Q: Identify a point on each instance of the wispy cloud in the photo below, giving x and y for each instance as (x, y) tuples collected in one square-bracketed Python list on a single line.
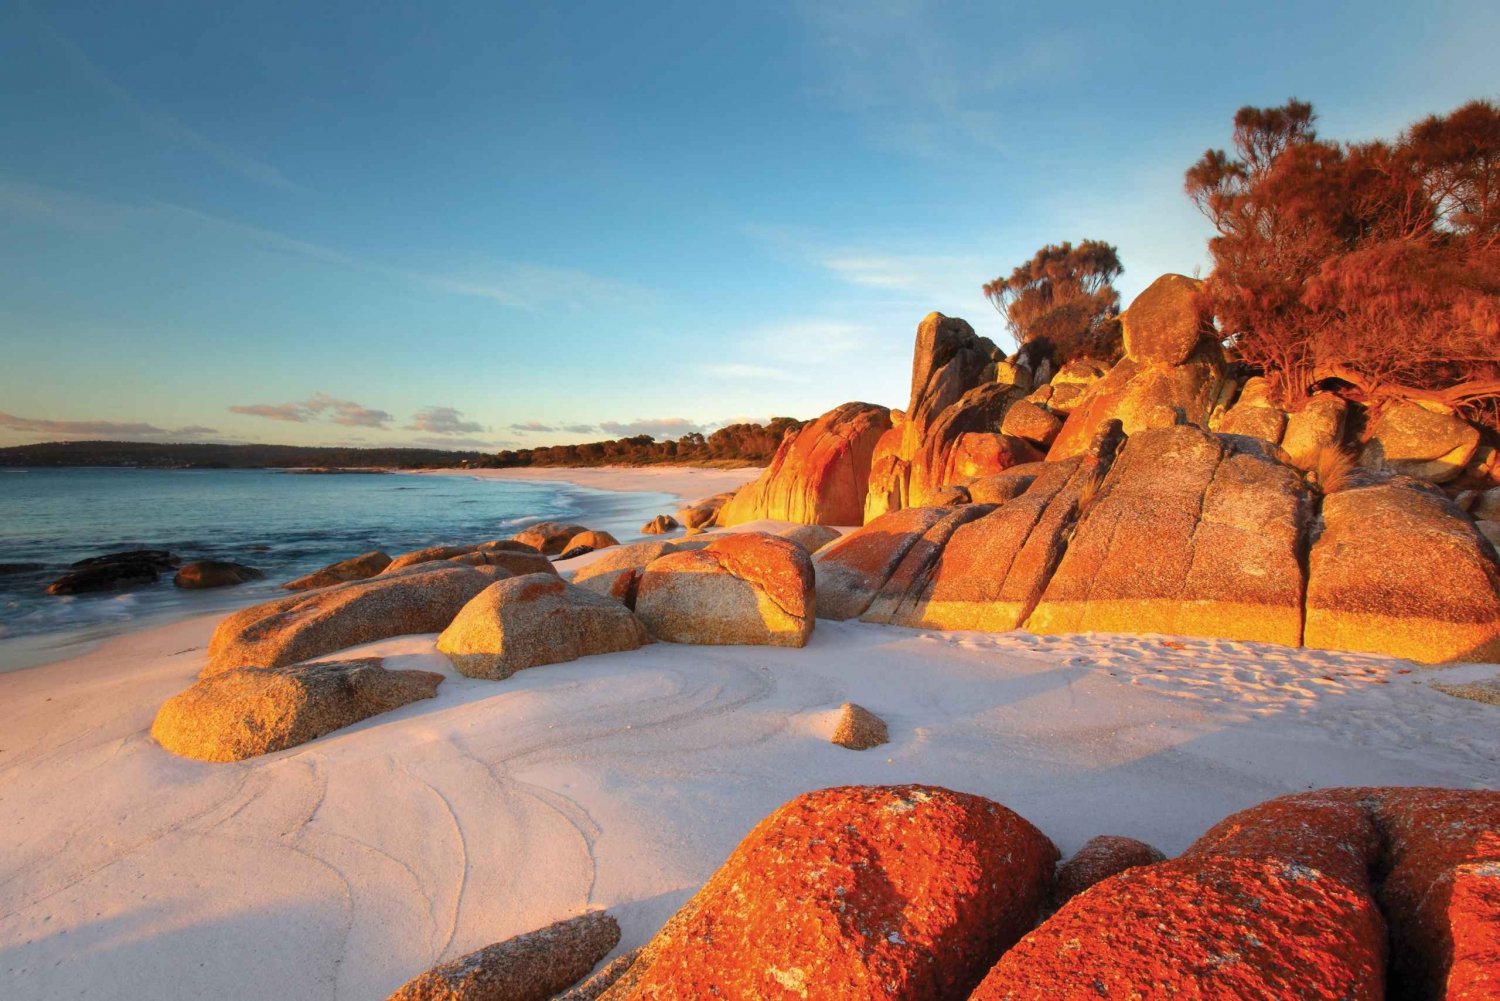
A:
[(444, 421), (345, 413), (539, 427), (100, 429), (163, 125), (741, 370), (527, 287)]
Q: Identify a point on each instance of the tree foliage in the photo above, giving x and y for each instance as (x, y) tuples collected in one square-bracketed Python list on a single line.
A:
[(749, 443), (1377, 264), (1064, 301)]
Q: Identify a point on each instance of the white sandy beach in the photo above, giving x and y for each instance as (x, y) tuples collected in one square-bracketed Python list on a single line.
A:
[(339, 869)]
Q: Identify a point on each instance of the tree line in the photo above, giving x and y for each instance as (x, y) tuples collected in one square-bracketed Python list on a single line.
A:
[(744, 444)]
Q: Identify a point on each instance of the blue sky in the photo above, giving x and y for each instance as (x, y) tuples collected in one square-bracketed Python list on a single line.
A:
[(498, 225)]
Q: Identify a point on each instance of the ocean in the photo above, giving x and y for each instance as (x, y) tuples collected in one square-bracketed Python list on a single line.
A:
[(281, 523)]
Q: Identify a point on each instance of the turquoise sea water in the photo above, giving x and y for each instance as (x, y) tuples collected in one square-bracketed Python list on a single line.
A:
[(283, 524)]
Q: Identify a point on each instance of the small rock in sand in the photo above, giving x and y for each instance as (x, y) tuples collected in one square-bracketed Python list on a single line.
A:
[(530, 967), (1100, 858), (1487, 692), (859, 729), (660, 525)]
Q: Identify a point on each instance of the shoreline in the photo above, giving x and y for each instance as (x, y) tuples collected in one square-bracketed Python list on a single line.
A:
[(686, 483)]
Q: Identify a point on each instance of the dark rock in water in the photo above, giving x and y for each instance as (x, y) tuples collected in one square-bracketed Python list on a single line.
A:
[(214, 573), (160, 559), (7, 569), (114, 571)]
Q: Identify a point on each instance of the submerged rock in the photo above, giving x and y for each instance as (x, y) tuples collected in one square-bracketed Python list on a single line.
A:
[(114, 571), (246, 712), (214, 573), (530, 967), (533, 620), (660, 525)]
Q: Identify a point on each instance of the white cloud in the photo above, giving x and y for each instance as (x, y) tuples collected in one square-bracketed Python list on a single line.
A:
[(115, 430), (444, 421), (345, 413)]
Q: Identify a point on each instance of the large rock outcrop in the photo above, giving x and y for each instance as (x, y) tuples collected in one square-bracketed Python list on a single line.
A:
[(989, 571), (251, 711), (898, 893), (533, 620), (1398, 569), (1192, 533), (852, 570), (820, 473), (530, 967), (420, 599), (1172, 371), (740, 588), (949, 361)]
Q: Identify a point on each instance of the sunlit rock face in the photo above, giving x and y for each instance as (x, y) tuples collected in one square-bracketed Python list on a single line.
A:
[(891, 892), (533, 620), (948, 362), (820, 473), (1173, 370), (419, 599), (1193, 534), (247, 712), (1420, 439), (1398, 569), (741, 588)]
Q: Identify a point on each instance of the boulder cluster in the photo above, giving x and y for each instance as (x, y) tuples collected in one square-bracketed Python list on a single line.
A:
[(498, 607), (919, 893), (1163, 494)]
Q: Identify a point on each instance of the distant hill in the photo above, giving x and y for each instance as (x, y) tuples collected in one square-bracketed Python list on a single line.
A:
[(208, 456)]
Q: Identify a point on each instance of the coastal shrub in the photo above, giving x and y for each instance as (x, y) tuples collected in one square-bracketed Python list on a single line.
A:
[(1063, 302), (1371, 267)]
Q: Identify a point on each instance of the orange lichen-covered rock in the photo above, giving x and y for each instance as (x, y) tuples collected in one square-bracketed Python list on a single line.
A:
[(895, 602), (355, 568), (1441, 891), (853, 569), (819, 475), (1100, 858), (743, 587), (1217, 928), (1273, 902), (1398, 569), (899, 893)]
